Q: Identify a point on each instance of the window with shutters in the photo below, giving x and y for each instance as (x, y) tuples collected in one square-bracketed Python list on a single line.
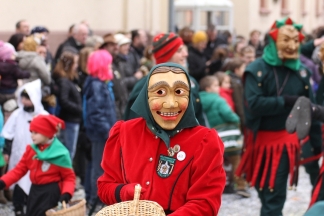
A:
[(284, 8), (264, 10)]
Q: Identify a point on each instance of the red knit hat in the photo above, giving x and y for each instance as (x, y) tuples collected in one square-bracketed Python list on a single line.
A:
[(46, 125), (164, 46)]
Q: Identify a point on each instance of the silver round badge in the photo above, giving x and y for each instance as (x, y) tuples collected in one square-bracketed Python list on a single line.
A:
[(181, 156), (45, 166)]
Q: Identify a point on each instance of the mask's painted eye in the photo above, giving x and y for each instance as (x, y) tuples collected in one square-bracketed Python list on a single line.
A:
[(179, 91), (160, 92)]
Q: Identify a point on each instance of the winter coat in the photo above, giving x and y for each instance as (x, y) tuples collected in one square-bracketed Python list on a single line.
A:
[(191, 186), (10, 72), (69, 99), (237, 86), (227, 94), (69, 42), (197, 64), (39, 175), (17, 128), (120, 90), (313, 68), (126, 72), (134, 57), (36, 65), (99, 109), (215, 66), (258, 49), (212, 45), (217, 110)]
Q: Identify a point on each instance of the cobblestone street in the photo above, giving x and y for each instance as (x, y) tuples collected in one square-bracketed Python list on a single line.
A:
[(232, 205), (296, 204)]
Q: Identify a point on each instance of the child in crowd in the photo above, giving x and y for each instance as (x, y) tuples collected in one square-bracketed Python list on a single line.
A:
[(9, 72), (226, 122), (215, 107), (236, 68), (248, 54), (16, 128), (225, 90), (49, 164)]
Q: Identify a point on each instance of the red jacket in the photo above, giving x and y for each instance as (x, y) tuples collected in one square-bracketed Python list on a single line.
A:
[(41, 174), (196, 183), (227, 94)]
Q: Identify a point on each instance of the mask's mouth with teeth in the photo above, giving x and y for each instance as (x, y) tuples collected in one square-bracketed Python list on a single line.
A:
[(169, 115)]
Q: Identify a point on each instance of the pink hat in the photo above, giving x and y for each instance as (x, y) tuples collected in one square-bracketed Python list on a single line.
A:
[(6, 50), (99, 65)]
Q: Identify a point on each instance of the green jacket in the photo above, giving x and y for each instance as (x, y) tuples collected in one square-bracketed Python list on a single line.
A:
[(217, 110), (263, 108)]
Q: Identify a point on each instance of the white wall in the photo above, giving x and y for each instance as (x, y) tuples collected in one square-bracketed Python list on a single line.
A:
[(102, 15)]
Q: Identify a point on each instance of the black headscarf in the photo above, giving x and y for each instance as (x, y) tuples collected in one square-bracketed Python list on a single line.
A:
[(141, 107)]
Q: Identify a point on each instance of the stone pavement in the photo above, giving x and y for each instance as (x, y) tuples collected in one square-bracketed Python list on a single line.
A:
[(232, 205), (296, 203)]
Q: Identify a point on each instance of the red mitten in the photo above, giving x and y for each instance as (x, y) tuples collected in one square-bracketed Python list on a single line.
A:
[(127, 192)]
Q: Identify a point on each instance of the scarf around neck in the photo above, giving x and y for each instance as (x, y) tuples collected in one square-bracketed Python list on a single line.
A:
[(56, 153)]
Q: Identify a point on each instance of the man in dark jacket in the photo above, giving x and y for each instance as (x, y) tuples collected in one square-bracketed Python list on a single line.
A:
[(139, 41), (78, 39), (196, 59), (213, 41)]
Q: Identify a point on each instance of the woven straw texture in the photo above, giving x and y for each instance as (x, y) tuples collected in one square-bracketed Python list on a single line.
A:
[(77, 208), (133, 208)]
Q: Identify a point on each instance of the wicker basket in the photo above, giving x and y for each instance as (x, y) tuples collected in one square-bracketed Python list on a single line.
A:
[(76, 208), (133, 208)]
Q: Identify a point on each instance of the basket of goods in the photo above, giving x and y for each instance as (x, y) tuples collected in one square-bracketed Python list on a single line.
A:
[(135, 207), (73, 208)]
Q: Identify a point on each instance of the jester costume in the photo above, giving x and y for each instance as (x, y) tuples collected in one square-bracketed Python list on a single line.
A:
[(271, 153)]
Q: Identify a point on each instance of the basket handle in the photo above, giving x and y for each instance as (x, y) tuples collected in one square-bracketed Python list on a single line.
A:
[(64, 205), (137, 194)]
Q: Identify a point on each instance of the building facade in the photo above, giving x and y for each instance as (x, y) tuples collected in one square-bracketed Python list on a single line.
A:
[(260, 14), (152, 15), (103, 16)]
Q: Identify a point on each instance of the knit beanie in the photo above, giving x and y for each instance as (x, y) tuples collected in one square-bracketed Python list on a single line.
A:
[(47, 125), (164, 46), (6, 51), (199, 36)]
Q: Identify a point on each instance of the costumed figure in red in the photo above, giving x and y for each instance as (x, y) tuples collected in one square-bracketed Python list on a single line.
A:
[(177, 162), (49, 164)]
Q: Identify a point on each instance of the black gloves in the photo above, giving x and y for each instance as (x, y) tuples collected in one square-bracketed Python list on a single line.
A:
[(290, 100), (65, 197), (2, 185)]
